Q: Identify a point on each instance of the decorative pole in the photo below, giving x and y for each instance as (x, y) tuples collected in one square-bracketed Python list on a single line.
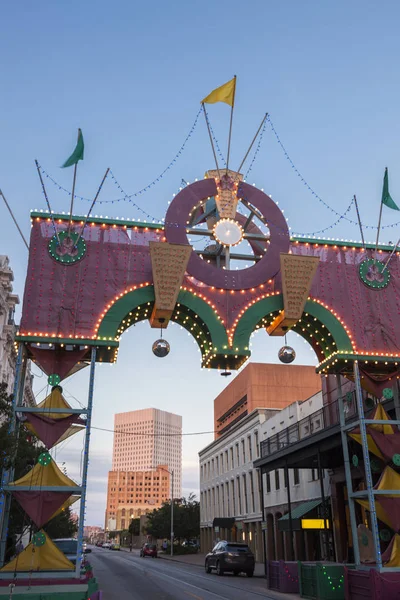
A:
[(252, 143), (91, 207), (47, 201), (347, 470), (230, 125), (211, 140), (359, 221), (15, 220), (85, 464), (367, 466), (75, 157)]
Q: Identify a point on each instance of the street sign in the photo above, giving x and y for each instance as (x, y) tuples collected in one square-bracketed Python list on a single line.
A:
[(264, 525), (216, 529)]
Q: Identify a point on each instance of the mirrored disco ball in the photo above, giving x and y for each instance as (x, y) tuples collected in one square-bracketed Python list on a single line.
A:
[(286, 354), (161, 348)]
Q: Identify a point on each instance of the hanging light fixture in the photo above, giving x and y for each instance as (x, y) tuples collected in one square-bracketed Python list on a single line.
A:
[(161, 347), (286, 354)]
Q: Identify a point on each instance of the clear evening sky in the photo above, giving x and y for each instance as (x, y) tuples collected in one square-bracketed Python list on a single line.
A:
[(131, 75)]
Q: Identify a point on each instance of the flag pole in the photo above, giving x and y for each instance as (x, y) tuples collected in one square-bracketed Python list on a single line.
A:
[(72, 199), (211, 140), (91, 207), (230, 127), (391, 254), (252, 143), (379, 226), (47, 201), (359, 221)]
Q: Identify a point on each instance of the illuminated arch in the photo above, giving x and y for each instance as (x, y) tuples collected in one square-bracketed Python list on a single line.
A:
[(323, 329), (191, 312)]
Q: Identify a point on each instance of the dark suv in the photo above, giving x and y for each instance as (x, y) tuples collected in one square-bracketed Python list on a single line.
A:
[(230, 556)]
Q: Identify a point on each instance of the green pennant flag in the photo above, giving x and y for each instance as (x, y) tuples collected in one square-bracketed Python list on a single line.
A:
[(77, 153), (387, 199)]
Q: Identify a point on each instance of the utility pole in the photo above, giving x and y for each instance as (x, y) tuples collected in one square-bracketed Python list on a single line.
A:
[(172, 512)]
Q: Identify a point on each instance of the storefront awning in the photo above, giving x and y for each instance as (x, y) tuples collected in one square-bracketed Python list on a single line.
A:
[(224, 522), (297, 513)]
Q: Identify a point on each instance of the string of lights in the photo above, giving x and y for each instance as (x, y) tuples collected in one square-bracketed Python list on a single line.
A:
[(303, 180), (144, 189), (144, 434), (343, 216)]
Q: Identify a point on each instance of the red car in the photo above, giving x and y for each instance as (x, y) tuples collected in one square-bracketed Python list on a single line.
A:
[(149, 550)]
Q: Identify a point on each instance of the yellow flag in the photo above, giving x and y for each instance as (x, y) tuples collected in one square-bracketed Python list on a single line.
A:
[(225, 93)]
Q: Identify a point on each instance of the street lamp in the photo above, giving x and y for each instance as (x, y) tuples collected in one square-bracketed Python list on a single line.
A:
[(172, 506)]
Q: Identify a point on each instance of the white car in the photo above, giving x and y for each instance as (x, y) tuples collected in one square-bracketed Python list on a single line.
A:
[(106, 545)]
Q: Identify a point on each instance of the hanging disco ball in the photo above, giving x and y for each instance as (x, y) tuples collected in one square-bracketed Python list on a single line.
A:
[(161, 348), (286, 354)]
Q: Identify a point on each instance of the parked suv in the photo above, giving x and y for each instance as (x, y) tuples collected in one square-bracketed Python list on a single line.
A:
[(149, 550), (230, 556)]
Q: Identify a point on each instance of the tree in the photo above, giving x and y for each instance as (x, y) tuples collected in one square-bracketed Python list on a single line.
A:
[(186, 519), (62, 526), (134, 527)]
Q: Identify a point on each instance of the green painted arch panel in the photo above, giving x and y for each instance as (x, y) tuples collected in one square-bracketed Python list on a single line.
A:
[(130, 301), (274, 304), (113, 317), (207, 315)]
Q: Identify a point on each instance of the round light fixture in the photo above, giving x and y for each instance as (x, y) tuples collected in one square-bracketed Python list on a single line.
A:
[(161, 348), (228, 232)]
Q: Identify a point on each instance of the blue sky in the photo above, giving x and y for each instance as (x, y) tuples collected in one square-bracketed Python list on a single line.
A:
[(131, 75)]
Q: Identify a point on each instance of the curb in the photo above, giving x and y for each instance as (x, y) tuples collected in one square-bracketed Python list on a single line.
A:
[(182, 562)]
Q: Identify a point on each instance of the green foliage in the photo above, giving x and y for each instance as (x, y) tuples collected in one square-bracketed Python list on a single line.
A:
[(62, 526), (134, 527), (186, 520)]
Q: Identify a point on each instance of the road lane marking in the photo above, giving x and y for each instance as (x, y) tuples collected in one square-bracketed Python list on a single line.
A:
[(193, 595), (138, 563)]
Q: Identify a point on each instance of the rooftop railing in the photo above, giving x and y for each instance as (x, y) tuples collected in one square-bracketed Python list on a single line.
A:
[(325, 417)]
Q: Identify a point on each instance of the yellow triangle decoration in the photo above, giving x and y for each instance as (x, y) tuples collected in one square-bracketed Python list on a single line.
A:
[(42, 476), (40, 558), (394, 560)]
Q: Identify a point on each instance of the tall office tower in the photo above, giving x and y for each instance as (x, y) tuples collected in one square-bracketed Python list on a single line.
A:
[(145, 439)]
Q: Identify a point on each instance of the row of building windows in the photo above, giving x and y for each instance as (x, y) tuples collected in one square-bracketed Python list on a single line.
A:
[(235, 457), (232, 498), (279, 476)]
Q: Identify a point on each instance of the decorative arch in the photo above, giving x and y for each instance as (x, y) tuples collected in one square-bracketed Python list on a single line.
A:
[(191, 312), (323, 329)]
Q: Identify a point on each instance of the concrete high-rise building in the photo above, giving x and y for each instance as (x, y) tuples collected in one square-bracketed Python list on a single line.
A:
[(143, 440)]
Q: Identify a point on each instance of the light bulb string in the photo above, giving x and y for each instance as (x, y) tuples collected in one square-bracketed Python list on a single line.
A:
[(304, 181)]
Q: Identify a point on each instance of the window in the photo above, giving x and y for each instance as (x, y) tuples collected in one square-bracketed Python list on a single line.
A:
[(286, 477), (277, 482), (296, 476), (233, 498), (217, 465), (237, 456), (256, 444), (239, 495), (314, 475), (228, 507), (250, 448), (232, 465), (226, 461), (252, 507), (246, 506), (243, 452)]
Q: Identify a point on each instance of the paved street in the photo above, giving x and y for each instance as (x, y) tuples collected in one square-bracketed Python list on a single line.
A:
[(126, 576)]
